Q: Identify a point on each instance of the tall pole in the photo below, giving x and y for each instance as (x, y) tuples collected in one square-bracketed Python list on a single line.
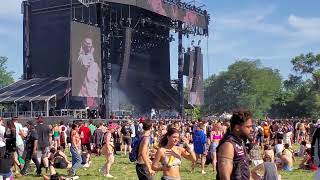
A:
[(180, 71), (106, 60), (26, 40)]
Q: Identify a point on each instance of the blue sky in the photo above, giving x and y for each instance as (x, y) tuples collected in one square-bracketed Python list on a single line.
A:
[(270, 30)]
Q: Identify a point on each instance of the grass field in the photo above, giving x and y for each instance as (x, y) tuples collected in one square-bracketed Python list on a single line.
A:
[(124, 170)]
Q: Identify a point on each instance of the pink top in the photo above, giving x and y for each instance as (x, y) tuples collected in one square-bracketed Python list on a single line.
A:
[(215, 136)]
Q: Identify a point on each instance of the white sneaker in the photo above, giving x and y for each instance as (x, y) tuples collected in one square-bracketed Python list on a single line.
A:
[(203, 172), (108, 176)]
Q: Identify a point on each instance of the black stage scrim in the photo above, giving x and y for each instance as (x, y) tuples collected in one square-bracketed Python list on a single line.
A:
[(195, 78), (86, 62), (169, 10)]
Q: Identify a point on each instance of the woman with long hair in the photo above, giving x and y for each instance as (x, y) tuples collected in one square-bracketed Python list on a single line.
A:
[(216, 136), (168, 157)]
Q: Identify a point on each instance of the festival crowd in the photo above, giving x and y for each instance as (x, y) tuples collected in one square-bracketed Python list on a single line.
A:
[(239, 148)]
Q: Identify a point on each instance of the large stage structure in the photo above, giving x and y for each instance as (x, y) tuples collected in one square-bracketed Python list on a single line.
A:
[(91, 53)]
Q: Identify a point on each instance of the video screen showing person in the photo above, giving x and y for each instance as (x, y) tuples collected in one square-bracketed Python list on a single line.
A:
[(86, 60)]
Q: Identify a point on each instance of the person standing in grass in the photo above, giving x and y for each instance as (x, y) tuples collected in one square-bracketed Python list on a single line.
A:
[(107, 151), (75, 150), (143, 165), (233, 162), (199, 144)]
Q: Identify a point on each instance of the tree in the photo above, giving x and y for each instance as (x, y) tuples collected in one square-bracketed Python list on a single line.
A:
[(308, 64), (245, 84), (5, 76)]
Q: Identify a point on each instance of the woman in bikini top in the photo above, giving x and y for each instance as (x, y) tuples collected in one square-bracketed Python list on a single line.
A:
[(168, 156)]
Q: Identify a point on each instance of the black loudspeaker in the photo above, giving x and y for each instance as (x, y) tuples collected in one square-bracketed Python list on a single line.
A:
[(188, 63), (197, 69), (125, 58)]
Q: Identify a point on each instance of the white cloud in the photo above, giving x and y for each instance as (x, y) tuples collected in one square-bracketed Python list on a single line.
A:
[(308, 27)]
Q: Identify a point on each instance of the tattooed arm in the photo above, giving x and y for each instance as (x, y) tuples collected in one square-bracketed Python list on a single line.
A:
[(225, 160)]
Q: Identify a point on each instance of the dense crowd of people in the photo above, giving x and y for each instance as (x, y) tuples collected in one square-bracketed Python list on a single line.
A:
[(238, 148)]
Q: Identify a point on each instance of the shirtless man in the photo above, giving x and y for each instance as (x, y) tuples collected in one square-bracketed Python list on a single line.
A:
[(302, 132)]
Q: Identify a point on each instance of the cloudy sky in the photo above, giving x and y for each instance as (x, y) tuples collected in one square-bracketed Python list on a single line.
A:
[(271, 30)]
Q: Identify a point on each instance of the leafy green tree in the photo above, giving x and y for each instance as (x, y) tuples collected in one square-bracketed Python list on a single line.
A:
[(5, 76), (245, 84), (308, 64)]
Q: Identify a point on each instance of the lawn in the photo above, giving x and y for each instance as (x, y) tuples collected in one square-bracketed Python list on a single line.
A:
[(124, 170)]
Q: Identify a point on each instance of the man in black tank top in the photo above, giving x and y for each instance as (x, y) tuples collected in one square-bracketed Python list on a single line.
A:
[(233, 162)]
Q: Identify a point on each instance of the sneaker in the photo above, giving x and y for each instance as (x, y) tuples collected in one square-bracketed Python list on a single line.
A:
[(108, 176), (203, 172)]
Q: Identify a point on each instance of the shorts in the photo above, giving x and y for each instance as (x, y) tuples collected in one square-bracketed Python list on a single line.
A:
[(127, 140), (279, 135), (259, 139), (85, 147), (68, 140), (56, 138), (169, 178), (213, 147), (142, 172), (287, 168), (43, 151)]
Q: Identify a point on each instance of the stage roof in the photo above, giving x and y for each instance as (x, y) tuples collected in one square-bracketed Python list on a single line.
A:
[(173, 11), (36, 89)]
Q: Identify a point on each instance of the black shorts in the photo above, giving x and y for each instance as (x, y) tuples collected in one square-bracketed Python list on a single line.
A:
[(127, 140), (68, 140), (279, 135), (142, 172), (85, 147)]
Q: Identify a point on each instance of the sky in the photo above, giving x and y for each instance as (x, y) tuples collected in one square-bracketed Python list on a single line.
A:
[(270, 30)]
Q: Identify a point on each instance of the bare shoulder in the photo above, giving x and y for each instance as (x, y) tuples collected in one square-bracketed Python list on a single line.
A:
[(226, 150)]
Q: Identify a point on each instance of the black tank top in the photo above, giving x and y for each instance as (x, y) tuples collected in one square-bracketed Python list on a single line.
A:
[(240, 169)]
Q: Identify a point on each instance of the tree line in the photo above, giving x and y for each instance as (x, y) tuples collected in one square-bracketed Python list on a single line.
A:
[(246, 83)]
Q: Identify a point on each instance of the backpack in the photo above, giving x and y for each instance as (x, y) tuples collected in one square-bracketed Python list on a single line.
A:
[(133, 155)]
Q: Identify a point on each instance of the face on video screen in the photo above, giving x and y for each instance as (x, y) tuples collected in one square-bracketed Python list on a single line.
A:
[(156, 6), (87, 45)]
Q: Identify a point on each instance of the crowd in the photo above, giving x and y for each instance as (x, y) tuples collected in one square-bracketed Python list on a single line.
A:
[(238, 148)]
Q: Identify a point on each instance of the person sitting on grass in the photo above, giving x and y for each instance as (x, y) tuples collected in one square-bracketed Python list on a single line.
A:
[(302, 149), (269, 151), (58, 158), (256, 155), (269, 169), (308, 163)]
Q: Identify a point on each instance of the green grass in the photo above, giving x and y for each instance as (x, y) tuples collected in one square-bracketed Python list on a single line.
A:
[(124, 170)]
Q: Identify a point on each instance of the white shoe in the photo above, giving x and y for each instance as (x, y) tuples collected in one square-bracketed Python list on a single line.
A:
[(203, 172), (108, 176)]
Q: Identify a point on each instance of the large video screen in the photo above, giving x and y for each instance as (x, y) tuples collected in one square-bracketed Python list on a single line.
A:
[(86, 60)]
